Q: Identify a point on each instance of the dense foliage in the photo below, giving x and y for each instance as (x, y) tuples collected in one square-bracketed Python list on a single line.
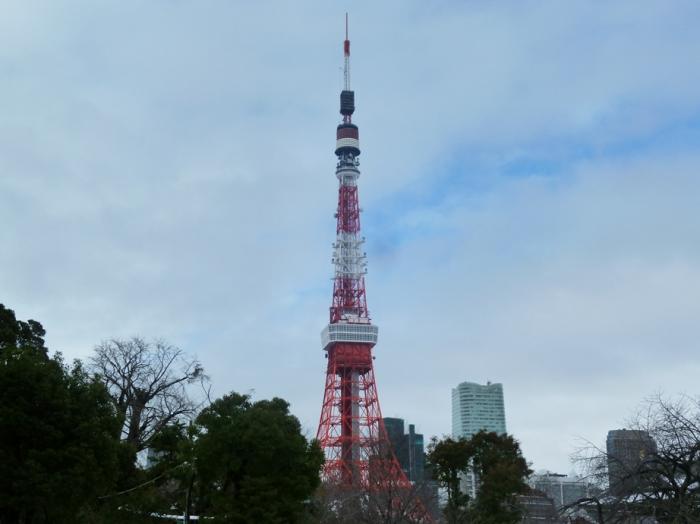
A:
[(238, 462), (500, 471), (253, 463), (65, 456), (58, 430)]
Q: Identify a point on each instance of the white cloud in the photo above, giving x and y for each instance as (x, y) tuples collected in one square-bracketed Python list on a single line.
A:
[(166, 169)]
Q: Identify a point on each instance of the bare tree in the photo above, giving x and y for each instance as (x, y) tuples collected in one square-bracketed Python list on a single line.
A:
[(149, 384), (665, 482), (386, 497), (393, 504), (398, 504)]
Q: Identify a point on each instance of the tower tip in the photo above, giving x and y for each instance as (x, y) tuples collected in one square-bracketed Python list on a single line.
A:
[(346, 46), (347, 97)]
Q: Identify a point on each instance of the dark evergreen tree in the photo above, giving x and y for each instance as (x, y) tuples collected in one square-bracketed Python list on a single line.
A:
[(238, 462), (501, 471), (58, 431), (253, 462), (449, 458), (19, 334), (498, 466)]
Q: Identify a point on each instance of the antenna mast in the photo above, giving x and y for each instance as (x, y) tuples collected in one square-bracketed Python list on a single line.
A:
[(346, 52)]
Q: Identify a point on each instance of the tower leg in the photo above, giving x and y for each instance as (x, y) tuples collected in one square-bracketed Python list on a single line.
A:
[(351, 431)]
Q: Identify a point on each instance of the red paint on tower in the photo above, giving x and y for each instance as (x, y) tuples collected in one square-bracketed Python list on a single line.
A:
[(351, 429)]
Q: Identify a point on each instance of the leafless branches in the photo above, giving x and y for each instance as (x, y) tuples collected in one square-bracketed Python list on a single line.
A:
[(149, 384), (663, 480), (393, 504)]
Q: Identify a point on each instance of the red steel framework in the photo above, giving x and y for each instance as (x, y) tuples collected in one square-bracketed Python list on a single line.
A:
[(351, 429)]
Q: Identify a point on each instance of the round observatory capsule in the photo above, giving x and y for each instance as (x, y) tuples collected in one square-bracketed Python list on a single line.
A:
[(347, 140)]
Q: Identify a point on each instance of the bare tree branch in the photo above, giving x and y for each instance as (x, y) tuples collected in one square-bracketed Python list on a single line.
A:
[(149, 384), (663, 484)]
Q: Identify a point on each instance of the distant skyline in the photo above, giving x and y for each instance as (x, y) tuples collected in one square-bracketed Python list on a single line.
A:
[(529, 183)]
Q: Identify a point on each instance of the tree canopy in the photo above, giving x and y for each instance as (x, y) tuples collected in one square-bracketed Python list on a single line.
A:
[(498, 468), (68, 436), (240, 461), (18, 334), (253, 462), (58, 430)]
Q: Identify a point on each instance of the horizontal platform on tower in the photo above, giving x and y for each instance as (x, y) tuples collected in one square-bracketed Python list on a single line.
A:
[(354, 333)]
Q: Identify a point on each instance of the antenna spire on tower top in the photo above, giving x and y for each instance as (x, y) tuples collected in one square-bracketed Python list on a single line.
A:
[(346, 47), (347, 97), (346, 52)]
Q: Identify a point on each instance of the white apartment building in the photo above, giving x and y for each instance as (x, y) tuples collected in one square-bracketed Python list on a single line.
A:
[(476, 407)]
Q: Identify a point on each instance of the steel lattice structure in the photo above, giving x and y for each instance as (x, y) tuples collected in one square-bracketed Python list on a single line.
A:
[(351, 430)]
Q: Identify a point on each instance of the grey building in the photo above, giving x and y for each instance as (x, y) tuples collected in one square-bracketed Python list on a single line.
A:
[(537, 508), (628, 452), (562, 489), (408, 447)]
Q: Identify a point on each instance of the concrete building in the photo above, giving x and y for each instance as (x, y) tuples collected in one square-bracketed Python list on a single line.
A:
[(562, 489), (537, 508), (627, 451), (408, 447), (476, 407)]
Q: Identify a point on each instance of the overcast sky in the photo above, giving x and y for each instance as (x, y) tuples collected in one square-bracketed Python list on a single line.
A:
[(530, 185)]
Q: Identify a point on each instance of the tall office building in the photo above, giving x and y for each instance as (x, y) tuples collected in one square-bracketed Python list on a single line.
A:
[(476, 407), (408, 447), (628, 453)]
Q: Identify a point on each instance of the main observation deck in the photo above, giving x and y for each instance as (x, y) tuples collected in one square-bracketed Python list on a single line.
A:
[(353, 333)]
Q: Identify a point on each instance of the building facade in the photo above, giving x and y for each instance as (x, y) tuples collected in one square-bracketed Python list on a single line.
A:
[(408, 447), (537, 508), (477, 407), (562, 489), (627, 452)]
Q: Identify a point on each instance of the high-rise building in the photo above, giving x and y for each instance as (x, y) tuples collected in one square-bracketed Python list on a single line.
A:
[(628, 453), (408, 447), (476, 407)]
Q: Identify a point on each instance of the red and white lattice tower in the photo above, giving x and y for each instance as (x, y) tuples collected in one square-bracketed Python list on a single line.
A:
[(351, 430)]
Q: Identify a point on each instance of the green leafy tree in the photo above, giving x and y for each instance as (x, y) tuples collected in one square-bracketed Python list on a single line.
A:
[(253, 463), (450, 459), (239, 461), (58, 431), (501, 470), (15, 333)]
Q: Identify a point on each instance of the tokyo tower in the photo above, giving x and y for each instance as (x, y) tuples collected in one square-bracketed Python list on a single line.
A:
[(351, 430)]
